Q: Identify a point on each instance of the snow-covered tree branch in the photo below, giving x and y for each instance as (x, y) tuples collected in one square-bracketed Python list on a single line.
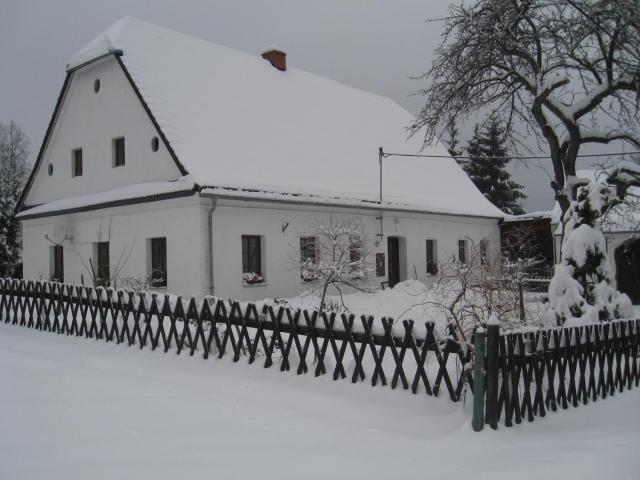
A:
[(568, 75), (581, 290)]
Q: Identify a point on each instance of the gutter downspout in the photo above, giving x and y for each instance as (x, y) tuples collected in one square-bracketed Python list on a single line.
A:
[(212, 208)]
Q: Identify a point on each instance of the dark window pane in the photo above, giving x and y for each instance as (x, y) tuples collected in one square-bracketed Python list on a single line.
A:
[(159, 262), (307, 249), (118, 149), (77, 162), (103, 273), (380, 264), (484, 252), (462, 251), (432, 264), (251, 254), (58, 264), (354, 249)]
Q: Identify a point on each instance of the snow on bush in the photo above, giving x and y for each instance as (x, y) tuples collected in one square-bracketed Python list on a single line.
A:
[(581, 290)]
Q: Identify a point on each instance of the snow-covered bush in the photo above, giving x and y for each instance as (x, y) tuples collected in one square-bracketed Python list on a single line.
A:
[(581, 289)]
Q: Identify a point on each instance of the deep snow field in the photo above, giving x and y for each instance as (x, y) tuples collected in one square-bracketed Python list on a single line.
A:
[(72, 408)]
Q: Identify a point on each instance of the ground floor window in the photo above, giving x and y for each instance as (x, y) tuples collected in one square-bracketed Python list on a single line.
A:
[(484, 252), (355, 248), (57, 263), (380, 265), (462, 251), (308, 258), (158, 247), (252, 259), (432, 260), (101, 268)]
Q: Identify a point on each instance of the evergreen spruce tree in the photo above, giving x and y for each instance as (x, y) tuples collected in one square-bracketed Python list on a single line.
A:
[(581, 290), (488, 173), (13, 173)]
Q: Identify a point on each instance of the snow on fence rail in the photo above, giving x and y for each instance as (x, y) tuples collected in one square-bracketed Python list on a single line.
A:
[(342, 345)]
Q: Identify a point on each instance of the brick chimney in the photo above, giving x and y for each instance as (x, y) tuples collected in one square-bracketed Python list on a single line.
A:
[(277, 58)]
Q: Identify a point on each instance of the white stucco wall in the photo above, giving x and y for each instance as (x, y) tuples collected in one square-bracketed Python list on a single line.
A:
[(233, 219), (182, 221), (90, 121)]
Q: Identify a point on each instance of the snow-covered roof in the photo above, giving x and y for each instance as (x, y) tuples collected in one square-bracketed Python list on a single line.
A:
[(235, 121), (552, 215), (129, 193)]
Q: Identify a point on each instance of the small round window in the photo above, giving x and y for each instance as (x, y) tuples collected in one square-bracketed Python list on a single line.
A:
[(155, 144), (50, 169), (96, 85)]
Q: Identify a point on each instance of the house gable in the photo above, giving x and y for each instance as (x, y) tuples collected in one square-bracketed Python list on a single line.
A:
[(90, 120)]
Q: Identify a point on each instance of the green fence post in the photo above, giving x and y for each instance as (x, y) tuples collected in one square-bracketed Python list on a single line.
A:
[(478, 381), (493, 333)]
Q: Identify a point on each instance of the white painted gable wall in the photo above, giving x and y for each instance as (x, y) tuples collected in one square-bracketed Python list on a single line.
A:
[(91, 120)]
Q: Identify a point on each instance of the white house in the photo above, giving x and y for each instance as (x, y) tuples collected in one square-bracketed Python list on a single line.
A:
[(170, 154)]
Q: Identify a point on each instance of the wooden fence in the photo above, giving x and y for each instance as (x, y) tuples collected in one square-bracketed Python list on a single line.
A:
[(528, 374), (522, 376), (341, 345)]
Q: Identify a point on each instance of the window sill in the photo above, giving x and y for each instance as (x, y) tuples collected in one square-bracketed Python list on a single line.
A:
[(261, 284)]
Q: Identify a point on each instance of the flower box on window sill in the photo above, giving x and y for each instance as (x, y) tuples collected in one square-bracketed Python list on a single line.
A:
[(251, 279)]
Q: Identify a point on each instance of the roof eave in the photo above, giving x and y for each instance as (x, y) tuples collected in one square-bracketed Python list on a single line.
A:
[(337, 202)]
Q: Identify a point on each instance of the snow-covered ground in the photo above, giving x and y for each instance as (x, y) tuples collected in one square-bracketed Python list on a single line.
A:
[(72, 408), (413, 300)]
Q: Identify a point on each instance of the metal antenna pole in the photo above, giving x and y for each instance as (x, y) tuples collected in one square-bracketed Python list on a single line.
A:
[(380, 156)]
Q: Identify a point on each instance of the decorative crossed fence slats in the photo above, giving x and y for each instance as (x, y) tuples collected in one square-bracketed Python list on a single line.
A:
[(527, 374), (343, 346), (549, 369)]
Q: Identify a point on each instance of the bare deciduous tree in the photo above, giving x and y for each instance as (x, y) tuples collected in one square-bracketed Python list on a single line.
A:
[(110, 275), (333, 251), (568, 71)]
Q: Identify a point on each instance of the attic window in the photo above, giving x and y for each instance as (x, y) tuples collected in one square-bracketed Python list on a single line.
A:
[(76, 162), (155, 144), (50, 169), (96, 85), (118, 151)]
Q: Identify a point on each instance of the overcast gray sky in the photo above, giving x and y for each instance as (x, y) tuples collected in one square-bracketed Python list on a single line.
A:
[(375, 45)]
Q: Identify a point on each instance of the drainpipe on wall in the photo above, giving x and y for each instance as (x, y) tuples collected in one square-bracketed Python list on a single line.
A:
[(212, 208)]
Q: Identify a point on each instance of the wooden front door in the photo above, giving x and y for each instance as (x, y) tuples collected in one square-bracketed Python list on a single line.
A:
[(393, 254)]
